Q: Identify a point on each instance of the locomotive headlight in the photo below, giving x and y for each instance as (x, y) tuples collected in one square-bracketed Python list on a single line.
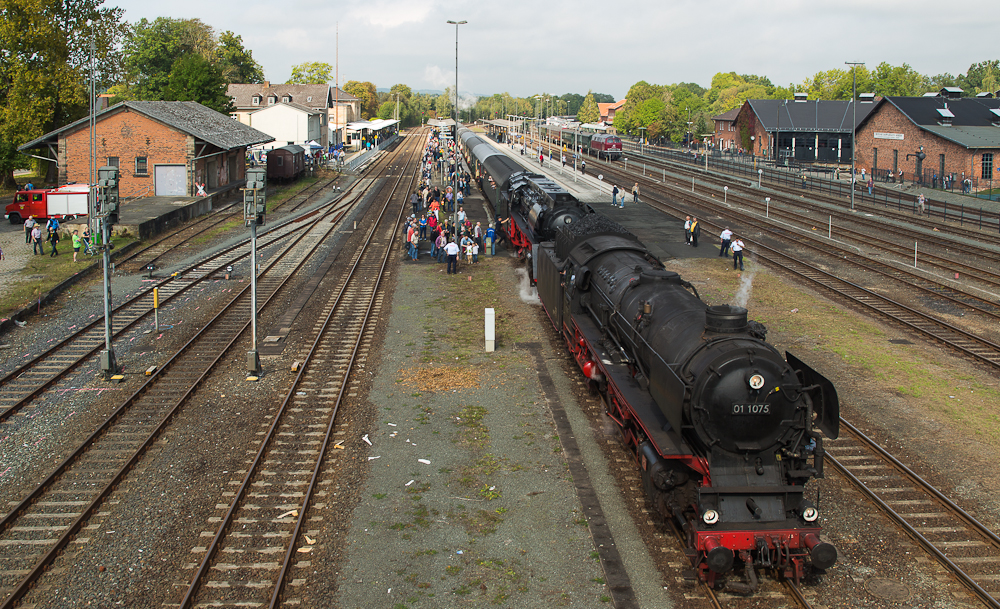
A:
[(756, 381), (710, 517), (810, 514)]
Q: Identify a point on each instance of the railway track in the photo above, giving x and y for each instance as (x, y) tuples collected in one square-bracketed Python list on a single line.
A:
[(961, 544), (928, 326), (74, 492), (273, 500), (33, 377)]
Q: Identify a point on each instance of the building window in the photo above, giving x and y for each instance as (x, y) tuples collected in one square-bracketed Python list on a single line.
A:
[(309, 99), (278, 161), (255, 101), (987, 166), (113, 161), (874, 160), (286, 98), (895, 161), (271, 100), (141, 166)]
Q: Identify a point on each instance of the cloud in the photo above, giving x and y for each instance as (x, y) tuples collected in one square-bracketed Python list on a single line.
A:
[(438, 78), (391, 13)]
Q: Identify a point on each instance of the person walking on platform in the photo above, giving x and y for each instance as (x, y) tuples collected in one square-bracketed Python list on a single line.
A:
[(28, 225), (614, 195), (37, 245), (415, 202), (727, 238), (461, 215), (491, 241), (635, 192), (564, 161), (695, 232), (440, 244), (53, 241), (452, 251), (541, 159), (687, 230), (738, 248), (583, 167)]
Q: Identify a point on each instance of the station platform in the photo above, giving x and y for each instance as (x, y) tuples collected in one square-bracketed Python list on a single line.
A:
[(662, 234), (149, 216)]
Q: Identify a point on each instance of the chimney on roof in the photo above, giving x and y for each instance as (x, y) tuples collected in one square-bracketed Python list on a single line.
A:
[(866, 98), (267, 84), (801, 97)]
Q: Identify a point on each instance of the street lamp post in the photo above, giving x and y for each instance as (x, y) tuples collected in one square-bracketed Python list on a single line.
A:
[(854, 120), (641, 138), (454, 193)]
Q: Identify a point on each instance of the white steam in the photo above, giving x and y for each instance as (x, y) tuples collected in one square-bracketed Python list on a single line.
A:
[(745, 290), (529, 294)]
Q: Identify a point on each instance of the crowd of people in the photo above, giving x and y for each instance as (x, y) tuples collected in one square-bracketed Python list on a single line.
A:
[(451, 234), (36, 235)]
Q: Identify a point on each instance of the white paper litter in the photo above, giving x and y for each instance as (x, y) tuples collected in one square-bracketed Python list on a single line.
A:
[(367, 441), (410, 482), (424, 461)]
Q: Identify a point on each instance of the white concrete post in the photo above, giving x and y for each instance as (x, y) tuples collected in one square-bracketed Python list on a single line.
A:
[(491, 330)]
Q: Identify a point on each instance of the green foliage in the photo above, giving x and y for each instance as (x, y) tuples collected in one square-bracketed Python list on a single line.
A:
[(44, 67), (589, 112), (236, 64), (193, 78), (312, 73), (387, 109), (405, 93), (365, 91)]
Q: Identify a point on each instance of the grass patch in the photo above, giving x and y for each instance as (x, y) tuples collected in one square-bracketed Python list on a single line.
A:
[(42, 273)]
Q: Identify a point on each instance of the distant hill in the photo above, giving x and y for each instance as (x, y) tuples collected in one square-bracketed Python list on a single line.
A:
[(424, 91)]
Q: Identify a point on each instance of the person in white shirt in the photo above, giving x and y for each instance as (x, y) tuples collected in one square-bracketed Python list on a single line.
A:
[(452, 251), (738, 248), (687, 230), (727, 238)]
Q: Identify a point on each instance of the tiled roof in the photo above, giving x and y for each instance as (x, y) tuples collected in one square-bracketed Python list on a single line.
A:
[(972, 125), (728, 116), (294, 105), (314, 96), (188, 117), (831, 116)]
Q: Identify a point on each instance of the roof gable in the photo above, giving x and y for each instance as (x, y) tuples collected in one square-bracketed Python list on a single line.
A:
[(313, 96), (188, 117)]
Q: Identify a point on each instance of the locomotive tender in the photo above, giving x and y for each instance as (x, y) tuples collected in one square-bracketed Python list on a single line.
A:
[(723, 429)]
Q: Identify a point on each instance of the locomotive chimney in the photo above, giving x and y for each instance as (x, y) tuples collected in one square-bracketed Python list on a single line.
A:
[(725, 319)]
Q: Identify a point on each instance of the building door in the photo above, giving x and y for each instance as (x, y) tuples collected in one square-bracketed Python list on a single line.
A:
[(170, 180), (213, 173)]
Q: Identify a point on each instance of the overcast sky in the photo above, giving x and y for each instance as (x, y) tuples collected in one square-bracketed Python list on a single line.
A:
[(526, 47)]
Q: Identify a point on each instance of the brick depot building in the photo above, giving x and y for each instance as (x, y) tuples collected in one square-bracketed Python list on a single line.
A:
[(161, 148), (959, 137)]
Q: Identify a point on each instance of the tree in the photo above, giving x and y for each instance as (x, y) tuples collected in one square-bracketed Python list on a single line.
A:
[(151, 48), (405, 93), (589, 112), (236, 64), (311, 73), (365, 91), (895, 80), (982, 77), (44, 68), (193, 78)]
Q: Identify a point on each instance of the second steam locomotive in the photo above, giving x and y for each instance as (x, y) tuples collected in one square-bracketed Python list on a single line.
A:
[(725, 431)]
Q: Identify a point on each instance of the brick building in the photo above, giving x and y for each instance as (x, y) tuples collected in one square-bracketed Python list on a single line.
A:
[(724, 137), (959, 137), (608, 112), (160, 147)]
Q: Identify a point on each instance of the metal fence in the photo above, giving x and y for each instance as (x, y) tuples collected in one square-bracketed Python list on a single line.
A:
[(758, 172), (362, 158)]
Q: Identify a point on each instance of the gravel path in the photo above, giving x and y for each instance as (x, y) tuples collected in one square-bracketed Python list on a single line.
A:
[(16, 255)]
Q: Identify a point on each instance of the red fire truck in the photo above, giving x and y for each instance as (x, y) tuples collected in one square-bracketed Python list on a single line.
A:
[(64, 203)]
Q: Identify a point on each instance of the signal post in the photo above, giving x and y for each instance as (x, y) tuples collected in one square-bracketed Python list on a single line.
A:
[(106, 210), (254, 208)]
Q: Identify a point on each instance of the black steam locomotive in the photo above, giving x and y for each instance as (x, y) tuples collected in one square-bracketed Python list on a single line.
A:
[(722, 427), (536, 205)]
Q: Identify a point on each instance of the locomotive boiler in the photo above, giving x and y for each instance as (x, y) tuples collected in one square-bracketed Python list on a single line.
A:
[(725, 431)]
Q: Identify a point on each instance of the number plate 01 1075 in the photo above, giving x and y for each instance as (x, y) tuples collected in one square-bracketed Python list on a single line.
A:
[(751, 409)]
